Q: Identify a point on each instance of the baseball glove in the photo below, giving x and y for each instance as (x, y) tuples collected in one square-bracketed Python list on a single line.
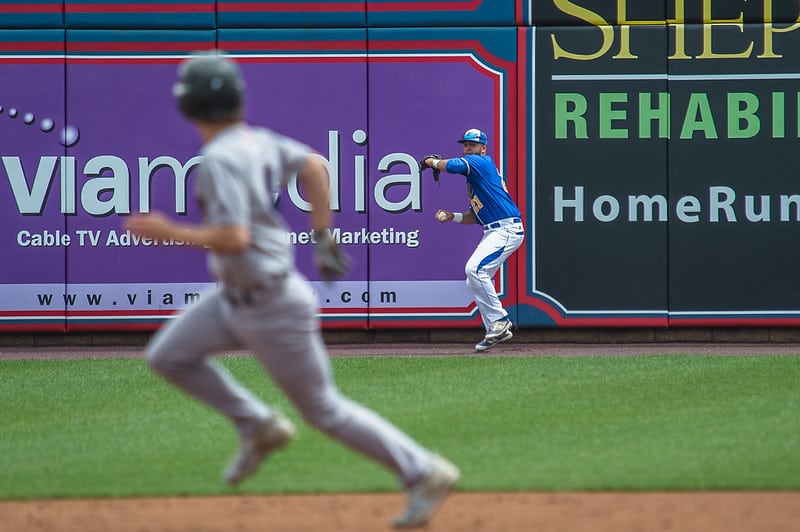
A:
[(330, 260), (423, 166)]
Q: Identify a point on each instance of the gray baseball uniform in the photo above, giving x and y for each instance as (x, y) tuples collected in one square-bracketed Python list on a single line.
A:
[(264, 304)]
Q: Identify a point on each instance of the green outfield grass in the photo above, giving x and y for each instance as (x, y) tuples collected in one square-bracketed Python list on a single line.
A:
[(85, 428)]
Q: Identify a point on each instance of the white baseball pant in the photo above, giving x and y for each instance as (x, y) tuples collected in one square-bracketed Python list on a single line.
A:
[(497, 244)]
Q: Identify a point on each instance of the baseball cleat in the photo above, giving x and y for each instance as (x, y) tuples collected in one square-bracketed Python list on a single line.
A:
[(428, 493), (497, 329), (486, 343), (272, 435)]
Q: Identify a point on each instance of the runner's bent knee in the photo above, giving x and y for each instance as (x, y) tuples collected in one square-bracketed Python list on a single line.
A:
[(326, 412)]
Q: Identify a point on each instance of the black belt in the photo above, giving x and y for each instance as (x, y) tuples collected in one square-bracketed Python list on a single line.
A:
[(500, 223), (240, 298), (247, 296)]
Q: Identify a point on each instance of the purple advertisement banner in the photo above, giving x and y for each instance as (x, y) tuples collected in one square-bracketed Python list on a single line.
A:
[(33, 136), (120, 146)]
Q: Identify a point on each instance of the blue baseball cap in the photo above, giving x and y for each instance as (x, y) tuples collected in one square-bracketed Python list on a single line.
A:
[(473, 135)]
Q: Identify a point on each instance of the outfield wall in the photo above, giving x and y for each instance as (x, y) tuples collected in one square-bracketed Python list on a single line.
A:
[(649, 146)]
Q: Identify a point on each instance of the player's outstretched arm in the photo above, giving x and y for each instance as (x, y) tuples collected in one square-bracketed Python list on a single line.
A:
[(459, 217), (313, 177), (456, 165), (469, 218), (436, 162), (330, 260), (220, 239)]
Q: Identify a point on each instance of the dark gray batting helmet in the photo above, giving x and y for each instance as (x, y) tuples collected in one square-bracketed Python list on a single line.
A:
[(209, 87)]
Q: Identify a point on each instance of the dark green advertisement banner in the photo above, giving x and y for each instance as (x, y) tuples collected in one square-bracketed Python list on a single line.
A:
[(661, 187)]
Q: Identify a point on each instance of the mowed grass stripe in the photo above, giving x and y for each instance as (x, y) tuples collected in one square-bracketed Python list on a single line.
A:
[(88, 428)]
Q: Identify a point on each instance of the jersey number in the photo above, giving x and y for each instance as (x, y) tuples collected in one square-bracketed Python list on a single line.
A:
[(475, 203)]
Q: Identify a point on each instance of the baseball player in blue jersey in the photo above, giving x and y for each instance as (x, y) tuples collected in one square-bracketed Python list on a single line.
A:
[(491, 206), (262, 302)]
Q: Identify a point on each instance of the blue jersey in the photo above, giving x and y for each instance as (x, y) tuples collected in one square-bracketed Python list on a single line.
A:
[(489, 199)]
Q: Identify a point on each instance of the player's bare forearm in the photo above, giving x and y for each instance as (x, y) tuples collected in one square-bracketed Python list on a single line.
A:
[(466, 217), (220, 239), (440, 164), (316, 185), (469, 218)]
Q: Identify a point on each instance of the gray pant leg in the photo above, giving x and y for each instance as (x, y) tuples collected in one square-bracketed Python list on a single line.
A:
[(179, 352), (315, 395), (291, 349)]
